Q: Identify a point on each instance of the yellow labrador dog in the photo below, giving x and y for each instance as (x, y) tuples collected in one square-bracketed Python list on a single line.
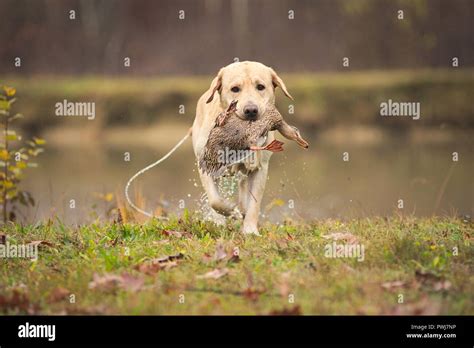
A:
[(253, 85)]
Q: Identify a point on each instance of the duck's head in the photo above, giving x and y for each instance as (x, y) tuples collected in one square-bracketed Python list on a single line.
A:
[(293, 133)]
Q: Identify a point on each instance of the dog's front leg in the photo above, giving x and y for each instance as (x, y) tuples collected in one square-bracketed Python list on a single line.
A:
[(257, 180), (216, 202), (243, 194)]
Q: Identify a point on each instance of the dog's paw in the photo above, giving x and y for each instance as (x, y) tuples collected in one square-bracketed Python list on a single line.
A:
[(250, 229), (222, 207), (236, 214)]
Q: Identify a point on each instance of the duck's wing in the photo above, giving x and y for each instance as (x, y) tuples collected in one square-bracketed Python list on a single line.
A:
[(210, 162), (213, 157)]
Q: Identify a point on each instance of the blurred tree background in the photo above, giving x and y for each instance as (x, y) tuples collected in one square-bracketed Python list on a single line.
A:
[(215, 31), (173, 59), (145, 108)]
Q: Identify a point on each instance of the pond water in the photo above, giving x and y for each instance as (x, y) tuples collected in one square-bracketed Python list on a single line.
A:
[(312, 184)]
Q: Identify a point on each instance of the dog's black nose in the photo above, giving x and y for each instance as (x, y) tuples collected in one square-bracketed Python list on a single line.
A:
[(251, 111)]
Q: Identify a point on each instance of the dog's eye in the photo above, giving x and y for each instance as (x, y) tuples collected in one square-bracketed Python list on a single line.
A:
[(260, 87), (235, 89)]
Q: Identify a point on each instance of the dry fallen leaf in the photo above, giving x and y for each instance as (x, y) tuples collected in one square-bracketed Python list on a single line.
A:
[(425, 306), (131, 283), (344, 236), (206, 258), (393, 285), (18, 300), (110, 282), (177, 234), (105, 283), (229, 254), (59, 294), (426, 277), (153, 266), (234, 258), (95, 310), (170, 258), (442, 285), (252, 294), (296, 310), (41, 242), (113, 242), (220, 253), (214, 274), (432, 280)]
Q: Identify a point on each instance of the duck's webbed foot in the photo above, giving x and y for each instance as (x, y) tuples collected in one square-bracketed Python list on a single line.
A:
[(274, 146), (222, 119)]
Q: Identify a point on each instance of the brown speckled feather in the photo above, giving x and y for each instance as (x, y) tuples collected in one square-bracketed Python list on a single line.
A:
[(233, 133)]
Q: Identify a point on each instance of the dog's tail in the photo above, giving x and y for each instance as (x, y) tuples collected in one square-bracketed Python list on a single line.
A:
[(149, 167)]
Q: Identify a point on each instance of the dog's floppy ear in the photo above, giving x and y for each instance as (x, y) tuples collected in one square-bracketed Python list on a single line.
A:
[(216, 85), (278, 82)]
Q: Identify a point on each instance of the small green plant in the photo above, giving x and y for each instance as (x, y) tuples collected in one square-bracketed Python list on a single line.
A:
[(15, 156)]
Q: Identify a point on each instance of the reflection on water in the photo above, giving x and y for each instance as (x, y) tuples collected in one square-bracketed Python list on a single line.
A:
[(317, 182)]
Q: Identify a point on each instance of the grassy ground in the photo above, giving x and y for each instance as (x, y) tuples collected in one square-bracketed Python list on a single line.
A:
[(283, 272)]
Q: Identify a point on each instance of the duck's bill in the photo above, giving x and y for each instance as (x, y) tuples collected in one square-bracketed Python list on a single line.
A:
[(301, 142)]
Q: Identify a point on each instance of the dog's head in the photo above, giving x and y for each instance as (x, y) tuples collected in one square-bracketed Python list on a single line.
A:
[(252, 84)]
